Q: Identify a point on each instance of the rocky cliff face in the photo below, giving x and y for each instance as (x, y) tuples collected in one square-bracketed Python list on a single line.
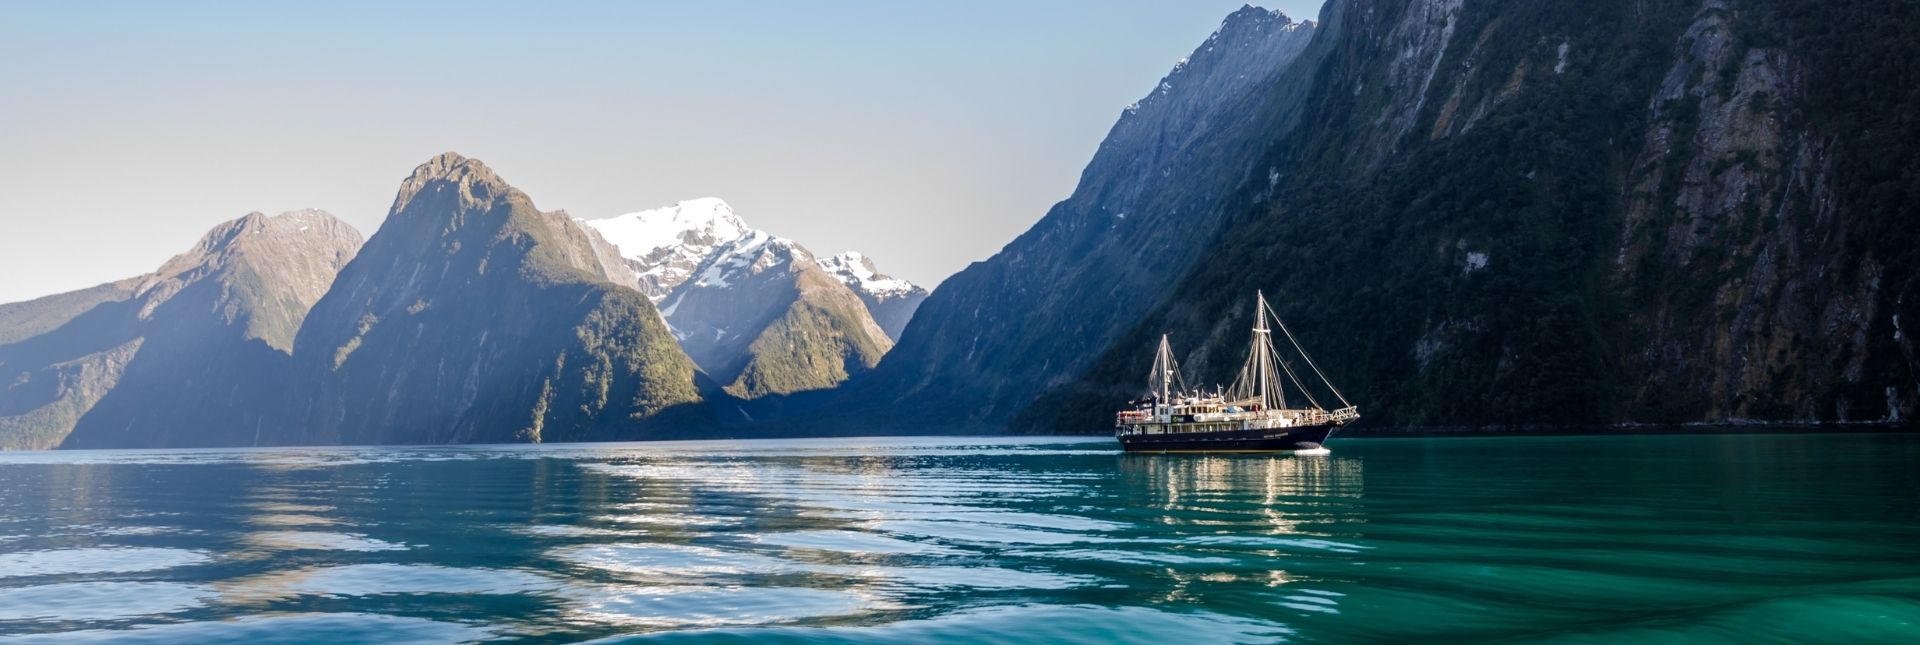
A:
[(1758, 300), (1034, 315), (1573, 212), (471, 316), (194, 354)]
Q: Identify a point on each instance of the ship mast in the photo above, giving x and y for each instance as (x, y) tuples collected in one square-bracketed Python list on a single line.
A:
[(1165, 379), (1259, 382), (1272, 395)]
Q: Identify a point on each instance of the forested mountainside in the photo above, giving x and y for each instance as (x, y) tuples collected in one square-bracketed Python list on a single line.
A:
[(1576, 212), (471, 316), (194, 354), (1034, 315)]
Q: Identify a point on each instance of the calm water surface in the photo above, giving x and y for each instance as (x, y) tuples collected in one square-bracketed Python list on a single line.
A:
[(1739, 539)]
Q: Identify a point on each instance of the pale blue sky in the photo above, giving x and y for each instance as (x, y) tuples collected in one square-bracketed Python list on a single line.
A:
[(926, 135)]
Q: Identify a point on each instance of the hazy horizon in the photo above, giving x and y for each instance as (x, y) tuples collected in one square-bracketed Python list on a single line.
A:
[(924, 136)]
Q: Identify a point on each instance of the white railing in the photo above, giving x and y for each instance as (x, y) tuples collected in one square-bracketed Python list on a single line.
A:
[(1293, 417)]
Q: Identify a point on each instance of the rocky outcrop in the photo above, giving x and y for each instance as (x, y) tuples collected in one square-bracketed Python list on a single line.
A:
[(1739, 246)]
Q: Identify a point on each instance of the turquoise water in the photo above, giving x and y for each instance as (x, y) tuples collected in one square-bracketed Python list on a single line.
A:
[(1738, 539)]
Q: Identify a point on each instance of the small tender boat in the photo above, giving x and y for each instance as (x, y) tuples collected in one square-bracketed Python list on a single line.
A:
[(1252, 415)]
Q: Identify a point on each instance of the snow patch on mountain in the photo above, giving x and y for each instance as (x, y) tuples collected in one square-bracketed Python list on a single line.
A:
[(754, 252), (856, 270)]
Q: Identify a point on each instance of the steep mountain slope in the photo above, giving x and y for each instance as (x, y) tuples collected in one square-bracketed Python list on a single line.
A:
[(471, 316), (1032, 316), (194, 354), (1571, 212), (891, 300), (19, 320), (759, 314)]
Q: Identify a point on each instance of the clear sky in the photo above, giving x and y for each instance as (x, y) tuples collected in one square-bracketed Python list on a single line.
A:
[(924, 134)]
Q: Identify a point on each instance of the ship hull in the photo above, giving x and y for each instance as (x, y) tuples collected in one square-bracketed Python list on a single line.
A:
[(1307, 439)]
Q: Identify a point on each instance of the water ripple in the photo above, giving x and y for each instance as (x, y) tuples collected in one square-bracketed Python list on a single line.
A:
[(78, 601), (284, 628), (318, 541), (96, 560), (690, 606), (378, 579)]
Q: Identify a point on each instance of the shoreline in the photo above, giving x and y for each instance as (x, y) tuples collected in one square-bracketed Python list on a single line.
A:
[(1630, 430)]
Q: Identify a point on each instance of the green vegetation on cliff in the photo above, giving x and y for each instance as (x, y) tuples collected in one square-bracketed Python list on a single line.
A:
[(1538, 212)]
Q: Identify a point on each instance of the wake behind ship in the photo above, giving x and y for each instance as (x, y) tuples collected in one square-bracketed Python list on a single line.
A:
[(1251, 416)]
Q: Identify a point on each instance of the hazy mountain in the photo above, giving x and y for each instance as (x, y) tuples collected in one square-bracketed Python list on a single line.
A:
[(1034, 315), (471, 316), (194, 354), (759, 313)]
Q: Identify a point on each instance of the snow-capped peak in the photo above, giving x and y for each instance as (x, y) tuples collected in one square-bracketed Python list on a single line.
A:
[(639, 234), (704, 244), (668, 243), (857, 271)]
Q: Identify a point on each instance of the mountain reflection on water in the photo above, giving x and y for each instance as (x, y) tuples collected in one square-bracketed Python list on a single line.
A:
[(1049, 539)]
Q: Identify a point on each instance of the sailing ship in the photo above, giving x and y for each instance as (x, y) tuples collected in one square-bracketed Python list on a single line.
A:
[(1252, 415)]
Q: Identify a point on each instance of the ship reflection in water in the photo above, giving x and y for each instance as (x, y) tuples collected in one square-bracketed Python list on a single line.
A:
[(913, 540)]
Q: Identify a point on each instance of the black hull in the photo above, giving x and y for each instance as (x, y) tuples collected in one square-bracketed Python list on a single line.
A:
[(1273, 440)]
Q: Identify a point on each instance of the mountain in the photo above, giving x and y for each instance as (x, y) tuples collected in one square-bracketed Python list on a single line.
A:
[(1568, 212), (763, 317), (891, 300), (472, 316), (760, 314), (1034, 315), (194, 354)]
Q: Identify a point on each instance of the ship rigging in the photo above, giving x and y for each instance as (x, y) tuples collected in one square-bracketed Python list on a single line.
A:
[(1251, 415)]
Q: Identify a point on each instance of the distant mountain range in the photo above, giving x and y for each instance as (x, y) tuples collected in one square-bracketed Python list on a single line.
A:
[(470, 316), (1496, 213)]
